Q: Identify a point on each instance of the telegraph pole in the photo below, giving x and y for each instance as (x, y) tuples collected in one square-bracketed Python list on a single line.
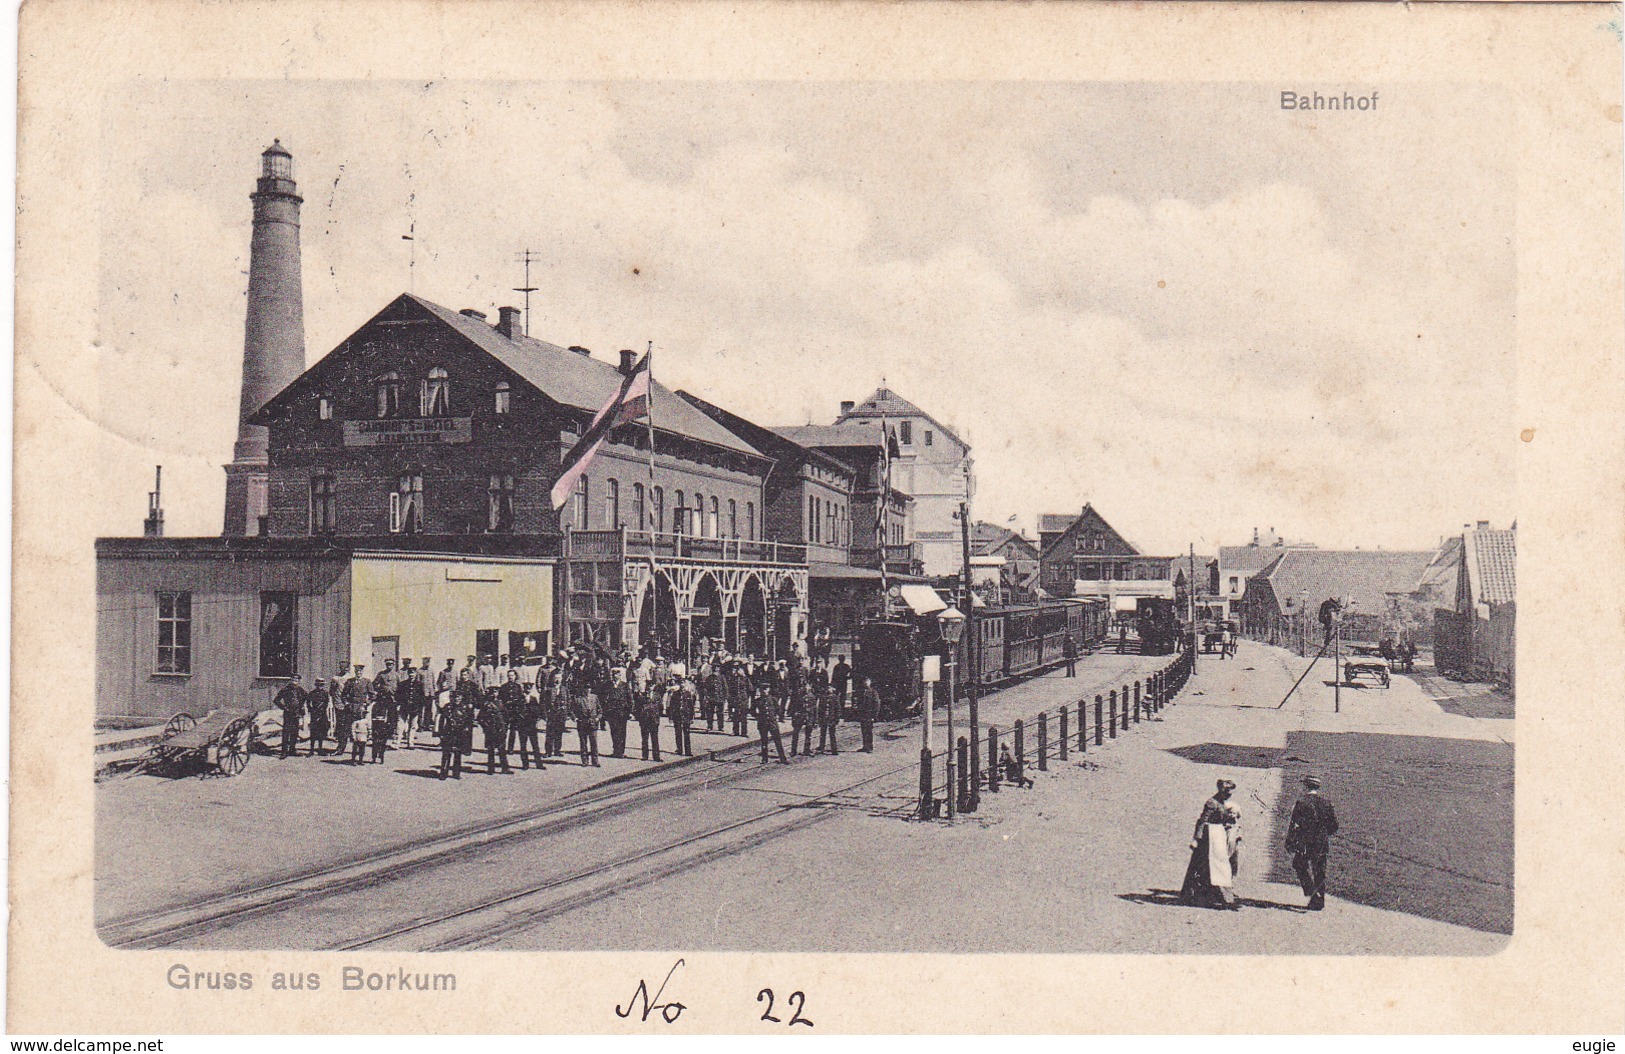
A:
[(973, 668)]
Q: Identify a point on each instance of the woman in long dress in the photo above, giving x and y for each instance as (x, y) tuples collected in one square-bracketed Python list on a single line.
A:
[(1215, 853)]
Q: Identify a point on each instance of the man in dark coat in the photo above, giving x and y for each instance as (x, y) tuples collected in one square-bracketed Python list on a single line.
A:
[(319, 704), (291, 701), (617, 711), (738, 699), (868, 710), (648, 701), (1313, 822), (384, 717), (357, 701), (827, 709), (494, 728), (588, 710), (1069, 652), (766, 710), (681, 702), (457, 728), (840, 679)]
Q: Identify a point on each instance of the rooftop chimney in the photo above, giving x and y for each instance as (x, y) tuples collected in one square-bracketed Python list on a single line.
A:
[(847, 406), (1255, 537), (579, 350), (628, 360), (153, 527), (471, 313), (508, 323)]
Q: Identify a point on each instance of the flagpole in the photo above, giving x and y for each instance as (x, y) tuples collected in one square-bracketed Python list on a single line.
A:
[(654, 588), (884, 507)]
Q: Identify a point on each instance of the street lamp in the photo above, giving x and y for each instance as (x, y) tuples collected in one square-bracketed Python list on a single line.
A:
[(951, 625)]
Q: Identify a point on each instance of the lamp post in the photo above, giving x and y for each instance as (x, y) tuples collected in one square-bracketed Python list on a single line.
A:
[(951, 625)]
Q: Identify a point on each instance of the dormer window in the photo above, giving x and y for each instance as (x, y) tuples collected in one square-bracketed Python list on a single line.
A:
[(504, 400), (389, 395), (434, 394)]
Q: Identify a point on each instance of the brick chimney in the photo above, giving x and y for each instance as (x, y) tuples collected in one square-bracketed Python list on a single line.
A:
[(628, 360), (508, 323), (847, 406)]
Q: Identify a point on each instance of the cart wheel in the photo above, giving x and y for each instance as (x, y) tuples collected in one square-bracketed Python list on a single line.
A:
[(181, 722), (232, 754)]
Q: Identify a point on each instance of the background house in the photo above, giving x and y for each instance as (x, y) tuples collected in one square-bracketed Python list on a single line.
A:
[(1476, 637), (1282, 602)]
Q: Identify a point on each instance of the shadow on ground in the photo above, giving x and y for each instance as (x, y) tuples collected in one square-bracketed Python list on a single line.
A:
[(1426, 823), (1231, 756), (1169, 898)]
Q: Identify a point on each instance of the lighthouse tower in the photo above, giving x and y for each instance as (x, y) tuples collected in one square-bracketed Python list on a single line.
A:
[(274, 336)]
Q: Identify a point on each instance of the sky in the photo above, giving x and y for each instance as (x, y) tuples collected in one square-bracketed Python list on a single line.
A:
[(1198, 312)]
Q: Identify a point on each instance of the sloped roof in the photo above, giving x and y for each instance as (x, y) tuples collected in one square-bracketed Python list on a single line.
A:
[(764, 439), (818, 436), (1492, 564), (1247, 559), (1055, 522), (568, 378), (1365, 576), (887, 403), (1438, 578)]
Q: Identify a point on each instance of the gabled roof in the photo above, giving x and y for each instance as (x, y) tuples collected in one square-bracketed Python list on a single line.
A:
[(1492, 564), (1071, 528), (988, 538), (1438, 578), (568, 378), (1247, 559), (887, 403), (1365, 576)]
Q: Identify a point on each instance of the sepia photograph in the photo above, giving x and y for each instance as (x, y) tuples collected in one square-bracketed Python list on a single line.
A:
[(923, 519), (1040, 518)]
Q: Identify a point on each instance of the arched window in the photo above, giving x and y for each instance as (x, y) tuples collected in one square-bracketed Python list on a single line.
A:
[(677, 513), (638, 521), (612, 504), (733, 518), (750, 520), (714, 528), (406, 503), (504, 400), (389, 395), (658, 522), (434, 394), (324, 510), (500, 504), (578, 503)]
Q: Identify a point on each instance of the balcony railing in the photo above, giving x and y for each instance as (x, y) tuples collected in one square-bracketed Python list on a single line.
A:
[(900, 559), (611, 544)]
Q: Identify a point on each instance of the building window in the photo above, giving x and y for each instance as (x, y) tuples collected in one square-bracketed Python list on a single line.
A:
[(324, 506), (750, 521), (1235, 584), (389, 395), (638, 521), (715, 525), (324, 407), (434, 394), (812, 518), (905, 433), (659, 510), (504, 397), (174, 633), (928, 437), (500, 493), (578, 512), (406, 504), (677, 514), (278, 634), (612, 504), (733, 518)]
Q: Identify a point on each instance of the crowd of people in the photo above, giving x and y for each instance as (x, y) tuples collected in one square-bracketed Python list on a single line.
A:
[(524, 712)]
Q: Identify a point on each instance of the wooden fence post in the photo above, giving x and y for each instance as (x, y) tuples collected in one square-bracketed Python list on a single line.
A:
[(1062, 737), (1113, 713), (1100, 721), (1043, 741), (992, 759)]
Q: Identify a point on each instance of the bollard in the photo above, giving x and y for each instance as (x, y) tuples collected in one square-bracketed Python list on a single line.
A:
[(1020, 746), (963, 790), (1136, 702), (1125, 708), (927, 805), (1083, 733), (975, 769), (1113, 713), (1100, 721), (992, 759), (1043, 741), (1061, 740)]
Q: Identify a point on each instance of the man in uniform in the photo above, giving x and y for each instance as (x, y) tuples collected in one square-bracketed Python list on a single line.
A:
[(681, 703), (341, 708), (868, 710), (1069, 652), (530, 712), (766, 711), (1313, 822), (826, 708), (384, 719), (319, 704), (406, 703), (588, 710), (456, 727), (291, 701), (648, 701), (618, 710), (511, 694), (494, 728), (357, 705)]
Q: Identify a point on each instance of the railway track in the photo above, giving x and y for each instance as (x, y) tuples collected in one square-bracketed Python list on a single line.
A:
[(521, 841)]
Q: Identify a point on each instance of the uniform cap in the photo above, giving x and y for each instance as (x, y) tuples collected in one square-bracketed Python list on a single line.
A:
[(1312, 781)]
